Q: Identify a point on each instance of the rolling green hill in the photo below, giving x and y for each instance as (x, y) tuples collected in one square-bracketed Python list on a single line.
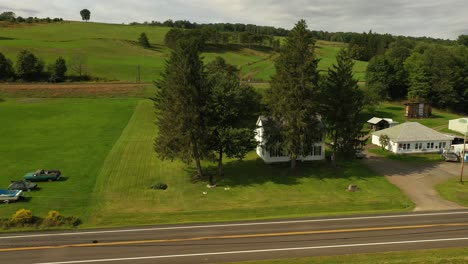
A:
[(112, 53)]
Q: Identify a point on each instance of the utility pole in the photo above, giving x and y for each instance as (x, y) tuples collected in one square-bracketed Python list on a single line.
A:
[(464, 150), (138, 74)]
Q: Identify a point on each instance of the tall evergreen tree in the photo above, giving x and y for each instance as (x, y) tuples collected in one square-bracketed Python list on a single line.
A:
[(181, 106), (58, 70), (143, 40), (342, 103), (232, 111), (292, 100)]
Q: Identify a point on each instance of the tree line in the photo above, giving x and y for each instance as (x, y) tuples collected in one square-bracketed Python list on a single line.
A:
[(205, 36), (30, 68), (9, 16), (204, 112), (221, 27), (434, 73)]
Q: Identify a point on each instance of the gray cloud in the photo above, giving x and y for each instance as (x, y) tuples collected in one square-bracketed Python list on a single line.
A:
[(440, 19)]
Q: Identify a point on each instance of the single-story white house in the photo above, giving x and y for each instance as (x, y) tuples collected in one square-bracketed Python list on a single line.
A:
[(274, 155), (412, 137), (460, 125)]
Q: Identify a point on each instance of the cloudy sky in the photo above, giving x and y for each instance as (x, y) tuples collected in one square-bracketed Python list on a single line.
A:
[(434, 18)]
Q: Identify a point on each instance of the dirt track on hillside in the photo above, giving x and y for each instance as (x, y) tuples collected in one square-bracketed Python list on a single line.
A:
[(418, 181)]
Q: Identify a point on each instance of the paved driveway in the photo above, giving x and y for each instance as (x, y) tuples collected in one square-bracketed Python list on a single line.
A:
[(417, 181)]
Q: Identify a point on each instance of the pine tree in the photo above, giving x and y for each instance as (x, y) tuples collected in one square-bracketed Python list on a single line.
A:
[(143, 40), (180, 105), (292, 100), (6, 68), (58, 70), (342, 102)]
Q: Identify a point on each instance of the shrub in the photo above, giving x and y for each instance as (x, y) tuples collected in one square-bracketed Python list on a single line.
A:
[(159, 186), (54, 218), (72, 221), (22, 217)]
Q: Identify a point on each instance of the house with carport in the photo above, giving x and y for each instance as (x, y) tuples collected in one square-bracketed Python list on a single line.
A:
[(413, 137)]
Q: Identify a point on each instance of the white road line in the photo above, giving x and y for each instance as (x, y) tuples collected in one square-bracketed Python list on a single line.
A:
[(258, 251), (228, 225)]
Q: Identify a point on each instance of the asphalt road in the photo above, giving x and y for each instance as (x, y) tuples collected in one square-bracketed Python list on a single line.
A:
[(239, 241)]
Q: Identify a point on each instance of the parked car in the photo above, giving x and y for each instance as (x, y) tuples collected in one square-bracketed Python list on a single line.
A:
[(360, 154), (451, 156), (43, 175), (7, 196), (22, 185)]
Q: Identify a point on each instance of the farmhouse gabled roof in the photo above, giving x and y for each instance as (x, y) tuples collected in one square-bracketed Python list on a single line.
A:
[(411, 131)]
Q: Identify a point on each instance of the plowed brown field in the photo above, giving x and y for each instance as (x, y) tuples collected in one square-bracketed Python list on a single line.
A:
[(75, 90)]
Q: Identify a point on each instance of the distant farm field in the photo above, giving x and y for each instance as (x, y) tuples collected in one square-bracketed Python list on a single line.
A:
[(112, 53)]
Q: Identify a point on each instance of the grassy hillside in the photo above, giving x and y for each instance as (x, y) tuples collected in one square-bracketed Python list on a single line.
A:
[(112, 52)]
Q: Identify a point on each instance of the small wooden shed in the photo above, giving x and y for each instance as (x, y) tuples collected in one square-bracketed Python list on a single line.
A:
[(418, 110)]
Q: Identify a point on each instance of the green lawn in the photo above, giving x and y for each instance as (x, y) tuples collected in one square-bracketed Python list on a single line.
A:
[(432, 256), (455, 191), (249, 190), (396, 111), (112, 52), (73, 135)]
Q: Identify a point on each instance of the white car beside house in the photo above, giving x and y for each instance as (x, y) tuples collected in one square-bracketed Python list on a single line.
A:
[(413, 137)]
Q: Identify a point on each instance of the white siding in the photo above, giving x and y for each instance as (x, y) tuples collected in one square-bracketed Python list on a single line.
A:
[(265, 155), (410, 147)]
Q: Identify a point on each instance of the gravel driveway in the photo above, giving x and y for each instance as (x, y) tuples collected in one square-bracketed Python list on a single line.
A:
[(418, 180)]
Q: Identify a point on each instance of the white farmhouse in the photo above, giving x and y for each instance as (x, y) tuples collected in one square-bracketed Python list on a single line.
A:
[(274, 155), (460, 125), (412, 137)]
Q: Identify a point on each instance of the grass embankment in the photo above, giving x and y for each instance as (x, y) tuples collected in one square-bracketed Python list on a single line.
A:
[(73, 135), (249, 190), (412, 158), (455, 191), (112, 53), (432, 256)]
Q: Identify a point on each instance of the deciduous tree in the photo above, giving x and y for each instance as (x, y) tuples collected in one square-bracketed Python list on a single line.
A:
[(232, 111), (85, 14), (28, 66)]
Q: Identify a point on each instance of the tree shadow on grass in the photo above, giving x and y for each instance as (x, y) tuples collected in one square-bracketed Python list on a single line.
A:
[(6, 38), (256, 172)]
